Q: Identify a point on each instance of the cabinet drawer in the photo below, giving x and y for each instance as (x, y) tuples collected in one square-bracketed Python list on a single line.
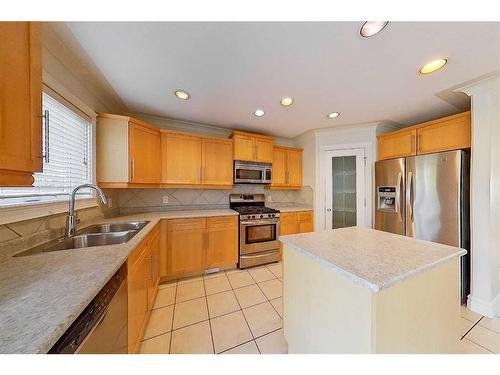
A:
[(176, 225), (305, 216), (288, 218), (222, 222)]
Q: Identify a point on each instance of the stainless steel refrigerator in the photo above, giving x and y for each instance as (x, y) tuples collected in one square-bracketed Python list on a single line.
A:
[(427, 197)]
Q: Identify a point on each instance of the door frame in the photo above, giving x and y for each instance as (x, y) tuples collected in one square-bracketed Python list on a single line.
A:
[(321, 183)]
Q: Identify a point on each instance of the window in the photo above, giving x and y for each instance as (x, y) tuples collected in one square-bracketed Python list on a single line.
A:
[(67, 156)]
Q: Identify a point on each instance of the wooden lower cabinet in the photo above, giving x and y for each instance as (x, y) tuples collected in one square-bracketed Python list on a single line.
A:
[(296, 222), (142, 279), (201, 243)]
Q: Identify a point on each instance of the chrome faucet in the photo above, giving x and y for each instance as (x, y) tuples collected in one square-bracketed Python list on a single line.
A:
[(72, 220)]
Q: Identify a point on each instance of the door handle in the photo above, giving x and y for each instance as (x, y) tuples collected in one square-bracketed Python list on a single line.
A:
[(410, 195), (398, 196)]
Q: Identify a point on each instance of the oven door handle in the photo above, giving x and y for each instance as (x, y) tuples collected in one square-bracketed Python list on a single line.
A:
[(259, 222)]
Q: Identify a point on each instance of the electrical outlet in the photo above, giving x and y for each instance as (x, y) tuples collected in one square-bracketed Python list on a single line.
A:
[(165, 199), (269, 198)]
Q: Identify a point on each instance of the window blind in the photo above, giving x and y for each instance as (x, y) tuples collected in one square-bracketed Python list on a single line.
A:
[(68, 162)]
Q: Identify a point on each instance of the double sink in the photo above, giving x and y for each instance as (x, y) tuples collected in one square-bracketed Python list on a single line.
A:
[(94, 235)]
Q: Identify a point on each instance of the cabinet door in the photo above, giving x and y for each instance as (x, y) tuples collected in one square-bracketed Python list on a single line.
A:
[(154, 267), (306, 223), (263, 150), (137, 300), (279, 173), (217, 159), (294, 162), (144, 154), (181, 159), (452, 133), (288, 223), (222, 241), (186, 244), (21, 103), (244, 147), (399, 144)]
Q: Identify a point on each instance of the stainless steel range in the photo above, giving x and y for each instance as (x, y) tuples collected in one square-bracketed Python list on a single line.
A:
[(259, 230)]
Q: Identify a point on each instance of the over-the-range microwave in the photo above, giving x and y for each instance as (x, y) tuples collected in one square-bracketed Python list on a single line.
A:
[(252, 173)]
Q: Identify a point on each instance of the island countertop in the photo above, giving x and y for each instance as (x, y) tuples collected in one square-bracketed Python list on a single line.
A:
[(372, 258)]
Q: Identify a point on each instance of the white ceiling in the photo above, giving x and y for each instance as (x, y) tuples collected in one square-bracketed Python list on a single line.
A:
[(231, 69)]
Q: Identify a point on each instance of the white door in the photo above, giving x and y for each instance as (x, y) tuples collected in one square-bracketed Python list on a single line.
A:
[(345, 198)]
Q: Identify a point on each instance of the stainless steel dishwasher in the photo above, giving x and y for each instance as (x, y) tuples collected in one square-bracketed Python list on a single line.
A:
[(102, 326)]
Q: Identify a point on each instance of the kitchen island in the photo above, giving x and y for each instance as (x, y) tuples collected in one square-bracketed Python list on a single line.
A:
[(359, 290)]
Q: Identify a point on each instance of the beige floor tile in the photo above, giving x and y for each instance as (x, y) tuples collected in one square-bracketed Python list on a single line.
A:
[(168, 284), (248, 348), (214, 275), (222, 303), (261, 274), (468, 347), (194, 339), (160, 322), (262, 319), (190, 312), (278, 305), (188, 280), (272, 288), (217, 284), (465, 325), (276, 269), (470, 315), (492, 324), (240, 279), (229, 331), (156, 345), (249, 295), (484, 337), (273, 343), (165, 297), (190, 291)]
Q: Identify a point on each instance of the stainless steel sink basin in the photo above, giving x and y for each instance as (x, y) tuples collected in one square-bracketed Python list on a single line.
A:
[(114, 227), (95, 235)]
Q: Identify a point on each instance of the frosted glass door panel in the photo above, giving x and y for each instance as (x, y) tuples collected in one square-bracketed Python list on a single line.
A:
[(344, 191)]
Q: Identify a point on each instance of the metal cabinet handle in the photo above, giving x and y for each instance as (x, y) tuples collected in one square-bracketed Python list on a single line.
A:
[(46, 122), (132, 167)]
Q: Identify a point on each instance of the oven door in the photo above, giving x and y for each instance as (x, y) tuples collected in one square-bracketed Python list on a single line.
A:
[(259, 235), (249, 173)]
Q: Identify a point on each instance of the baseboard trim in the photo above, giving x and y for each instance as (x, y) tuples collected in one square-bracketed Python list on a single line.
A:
[(486, 308)]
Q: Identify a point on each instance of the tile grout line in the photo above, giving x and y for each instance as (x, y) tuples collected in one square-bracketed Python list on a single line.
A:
[(208, 314), (172, 324), (470, 329), (268, 300)]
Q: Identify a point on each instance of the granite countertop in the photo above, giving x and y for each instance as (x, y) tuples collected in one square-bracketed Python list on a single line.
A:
[(290, 207), (41, 295), (371, 258)]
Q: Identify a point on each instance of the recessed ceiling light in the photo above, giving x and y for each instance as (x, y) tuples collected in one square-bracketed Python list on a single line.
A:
[(370, 28), (433, 66), (182, 94), (285, 102), (259, 113), (333, 115)]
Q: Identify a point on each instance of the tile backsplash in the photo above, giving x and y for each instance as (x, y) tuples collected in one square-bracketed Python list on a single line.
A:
[(135, 200)]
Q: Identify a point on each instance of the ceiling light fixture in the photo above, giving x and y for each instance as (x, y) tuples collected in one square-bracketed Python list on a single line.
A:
[(370, 28), (433, 66), (182, 94), (285, 102), (259, 112), (333, 115)]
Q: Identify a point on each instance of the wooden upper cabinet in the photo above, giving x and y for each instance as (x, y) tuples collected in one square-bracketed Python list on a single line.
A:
[(144, 154), (397, 144), (263, 150), (20, 103), (252, 147), (287, 168), (181, 158), (449, 133), (217, 160), (444, 134), (244, 148)]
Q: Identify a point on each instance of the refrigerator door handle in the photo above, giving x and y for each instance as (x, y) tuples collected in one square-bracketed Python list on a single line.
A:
[(410, 195), (398, 196)]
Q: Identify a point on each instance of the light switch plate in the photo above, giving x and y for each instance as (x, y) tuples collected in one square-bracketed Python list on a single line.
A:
[(165, 199)]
